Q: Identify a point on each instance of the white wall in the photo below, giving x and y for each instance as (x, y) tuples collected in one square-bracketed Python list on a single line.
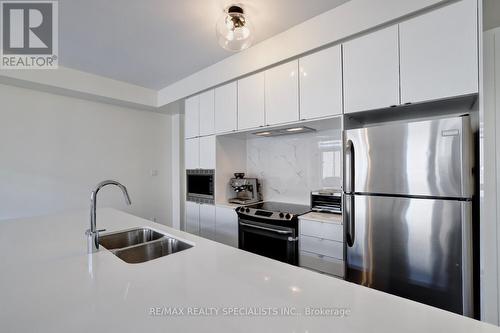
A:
[(178, 171), (54, 149)]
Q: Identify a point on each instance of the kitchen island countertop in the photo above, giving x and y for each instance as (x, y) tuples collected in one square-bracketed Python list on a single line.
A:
[(48, 283)]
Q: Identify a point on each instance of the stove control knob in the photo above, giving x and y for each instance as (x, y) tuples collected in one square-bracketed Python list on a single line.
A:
[(288, 216), (247, 210), (282, 215), (241, 209)]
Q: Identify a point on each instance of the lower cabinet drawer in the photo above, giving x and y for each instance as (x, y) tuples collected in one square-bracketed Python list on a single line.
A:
[(322, 246), (319, 229), (321, 263)]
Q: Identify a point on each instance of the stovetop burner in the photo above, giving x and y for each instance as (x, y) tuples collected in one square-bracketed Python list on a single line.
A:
[(281, 207), (274, 211)]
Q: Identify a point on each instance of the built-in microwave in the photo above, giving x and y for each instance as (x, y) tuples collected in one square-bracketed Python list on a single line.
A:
[(200, 185)]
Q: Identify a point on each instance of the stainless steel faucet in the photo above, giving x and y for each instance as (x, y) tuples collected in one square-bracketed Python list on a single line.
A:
[(93, 233)]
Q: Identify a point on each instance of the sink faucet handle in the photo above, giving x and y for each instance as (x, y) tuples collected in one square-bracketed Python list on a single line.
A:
[(88, 231)]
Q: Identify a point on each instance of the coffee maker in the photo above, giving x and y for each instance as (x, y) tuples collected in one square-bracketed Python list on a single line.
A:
[(247, 189)]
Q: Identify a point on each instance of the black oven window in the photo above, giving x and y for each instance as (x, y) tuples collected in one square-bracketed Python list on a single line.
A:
[(200, 184), (266, 246)]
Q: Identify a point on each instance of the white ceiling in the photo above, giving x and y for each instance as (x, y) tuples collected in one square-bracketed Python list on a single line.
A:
[(153, 43)]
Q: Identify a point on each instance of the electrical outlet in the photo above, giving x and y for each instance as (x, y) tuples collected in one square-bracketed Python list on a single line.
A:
[(154, 173)]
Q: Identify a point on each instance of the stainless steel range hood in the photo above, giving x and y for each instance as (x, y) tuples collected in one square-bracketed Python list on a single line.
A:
[(285, 131)]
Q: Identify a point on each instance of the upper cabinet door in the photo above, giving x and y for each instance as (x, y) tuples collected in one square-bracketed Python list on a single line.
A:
[(282, 93), (321, 84), (439, 53), (207, 113), (371, 71), (207, 152), (192, 120), (251, 102), (192, 153), (226, 104)]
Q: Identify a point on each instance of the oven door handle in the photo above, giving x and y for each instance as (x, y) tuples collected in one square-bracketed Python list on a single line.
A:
[(283, 232)]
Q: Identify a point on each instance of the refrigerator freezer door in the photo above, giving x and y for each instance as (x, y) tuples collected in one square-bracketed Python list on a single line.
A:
[(414, 248), (426, 158)]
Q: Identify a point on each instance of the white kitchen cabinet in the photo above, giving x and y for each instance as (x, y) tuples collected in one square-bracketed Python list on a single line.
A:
[(319, 229), (207, 152), (251, 106), (371, 71), (321, 263), (200, 219), (200, 152), (322, 243), (226, 226), (320, 83), (322, 246), (192, 153), (226, 104), (192, 217), (282, 93), (192, 120), (207, 221), (439, 53), (207, 113)]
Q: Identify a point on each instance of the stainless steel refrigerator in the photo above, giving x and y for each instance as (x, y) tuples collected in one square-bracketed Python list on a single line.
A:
[(408, 192)]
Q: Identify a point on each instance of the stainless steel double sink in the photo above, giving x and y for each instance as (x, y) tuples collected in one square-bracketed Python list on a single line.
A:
[(141, 244)]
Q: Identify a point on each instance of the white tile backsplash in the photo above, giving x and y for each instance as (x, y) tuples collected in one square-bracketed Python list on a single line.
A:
[(289, 167)]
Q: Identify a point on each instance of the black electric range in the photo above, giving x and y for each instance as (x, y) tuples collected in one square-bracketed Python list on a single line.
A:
[(271, 229)]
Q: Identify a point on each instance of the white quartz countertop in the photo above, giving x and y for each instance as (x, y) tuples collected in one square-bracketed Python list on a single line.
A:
[(322, 217), (233, 205), (48, 283), (227, 205)]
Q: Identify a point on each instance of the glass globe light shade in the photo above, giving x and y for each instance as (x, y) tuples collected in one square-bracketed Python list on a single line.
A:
[(234, 31)]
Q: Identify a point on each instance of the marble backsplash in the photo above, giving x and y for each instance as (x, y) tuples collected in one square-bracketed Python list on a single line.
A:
[(289, 167)]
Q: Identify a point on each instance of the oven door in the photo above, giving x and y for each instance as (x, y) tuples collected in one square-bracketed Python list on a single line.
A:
[(268, 240)]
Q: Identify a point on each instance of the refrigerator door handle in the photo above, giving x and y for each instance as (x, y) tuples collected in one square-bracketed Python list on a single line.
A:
[(349, 218), (349, 167)]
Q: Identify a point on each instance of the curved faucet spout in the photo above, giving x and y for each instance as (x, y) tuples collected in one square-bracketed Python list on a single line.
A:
[(93, 233)]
